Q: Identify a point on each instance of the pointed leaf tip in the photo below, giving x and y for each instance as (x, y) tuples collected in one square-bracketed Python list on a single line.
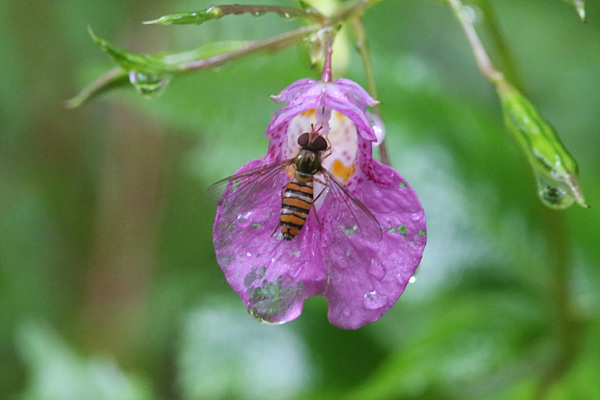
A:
[(554, 169), (579, 7)]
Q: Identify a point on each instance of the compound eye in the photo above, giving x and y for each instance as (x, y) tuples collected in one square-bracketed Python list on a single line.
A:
[(303, 140), (320, 143)]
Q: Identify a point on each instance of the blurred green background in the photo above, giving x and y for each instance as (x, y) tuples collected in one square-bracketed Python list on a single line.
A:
[(109, 287)]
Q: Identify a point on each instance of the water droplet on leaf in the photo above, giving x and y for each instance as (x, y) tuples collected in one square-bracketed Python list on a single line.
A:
[(149, 85), (552, 193)]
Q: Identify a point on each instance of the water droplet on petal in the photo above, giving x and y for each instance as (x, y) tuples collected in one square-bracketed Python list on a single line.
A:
[(416, 216), (263, 320), (412, 279), (373, 300), (149, 85), (376, 269), (351, 231)]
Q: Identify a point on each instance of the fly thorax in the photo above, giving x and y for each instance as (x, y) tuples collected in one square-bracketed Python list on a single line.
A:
[(307, 162)]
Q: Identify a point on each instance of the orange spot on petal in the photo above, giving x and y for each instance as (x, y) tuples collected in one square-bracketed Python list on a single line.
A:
[(340, 171), (308, 113)]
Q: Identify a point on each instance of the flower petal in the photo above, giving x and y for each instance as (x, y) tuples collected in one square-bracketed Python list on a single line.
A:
[(343, 95), (366, 278), (271, 275)]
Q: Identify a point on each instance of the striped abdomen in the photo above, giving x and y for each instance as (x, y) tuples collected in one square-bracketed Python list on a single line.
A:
[(296, 203)]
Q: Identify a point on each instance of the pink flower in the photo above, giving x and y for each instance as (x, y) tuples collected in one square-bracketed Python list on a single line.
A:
[(360, 264)]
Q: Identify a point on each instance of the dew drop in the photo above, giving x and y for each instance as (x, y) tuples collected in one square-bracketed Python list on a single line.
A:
[(376, 269), (258, 13), (149, 85), (373, 300), (257, 316), (416, 216), (553, 194), (351, 231)]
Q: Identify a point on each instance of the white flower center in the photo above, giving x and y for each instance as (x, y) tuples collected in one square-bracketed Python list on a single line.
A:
[(342, 137)]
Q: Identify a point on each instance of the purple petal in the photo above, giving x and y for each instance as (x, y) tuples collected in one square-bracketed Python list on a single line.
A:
[(272, 276), (366, 278), (343, 95)]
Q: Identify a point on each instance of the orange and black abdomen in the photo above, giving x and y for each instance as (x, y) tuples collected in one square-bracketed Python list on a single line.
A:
[(296, 203)]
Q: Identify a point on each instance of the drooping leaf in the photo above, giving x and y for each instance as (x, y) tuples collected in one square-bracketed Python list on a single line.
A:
[(554, 169)]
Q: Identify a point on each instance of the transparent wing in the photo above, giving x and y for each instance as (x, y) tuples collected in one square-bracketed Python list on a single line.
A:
[(349, 213), (245, 193), (247, 181)]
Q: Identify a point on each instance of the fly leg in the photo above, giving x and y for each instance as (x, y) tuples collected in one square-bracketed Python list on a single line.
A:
[(317, 198)]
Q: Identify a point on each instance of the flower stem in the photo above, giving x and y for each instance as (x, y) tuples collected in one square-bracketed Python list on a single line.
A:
[(507, 61), (361, 45), (272, 43), (326, 77), (481, 57)]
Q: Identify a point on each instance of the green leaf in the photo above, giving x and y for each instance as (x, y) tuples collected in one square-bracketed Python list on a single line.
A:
[(130, 61), (189, 18), (149, 74), (57, 372), (554, 168), (111, 79)]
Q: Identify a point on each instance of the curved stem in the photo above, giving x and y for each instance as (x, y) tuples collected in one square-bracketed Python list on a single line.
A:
[(481, 57), (509, 68), (354, 8), (361, 44)]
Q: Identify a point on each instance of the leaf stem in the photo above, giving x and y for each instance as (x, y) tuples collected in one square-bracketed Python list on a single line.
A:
[(481, 57), (272, 43), (354, 8)]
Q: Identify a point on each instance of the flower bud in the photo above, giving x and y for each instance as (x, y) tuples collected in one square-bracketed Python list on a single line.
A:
[(554, 169)]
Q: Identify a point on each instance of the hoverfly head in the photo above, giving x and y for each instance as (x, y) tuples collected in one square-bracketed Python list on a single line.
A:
[(312, 140)]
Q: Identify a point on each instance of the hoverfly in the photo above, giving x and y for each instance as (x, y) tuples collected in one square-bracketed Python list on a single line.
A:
[(297, 193)]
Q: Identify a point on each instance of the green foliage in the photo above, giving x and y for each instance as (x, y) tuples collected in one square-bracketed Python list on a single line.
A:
[(106, 235), (57, 373)]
